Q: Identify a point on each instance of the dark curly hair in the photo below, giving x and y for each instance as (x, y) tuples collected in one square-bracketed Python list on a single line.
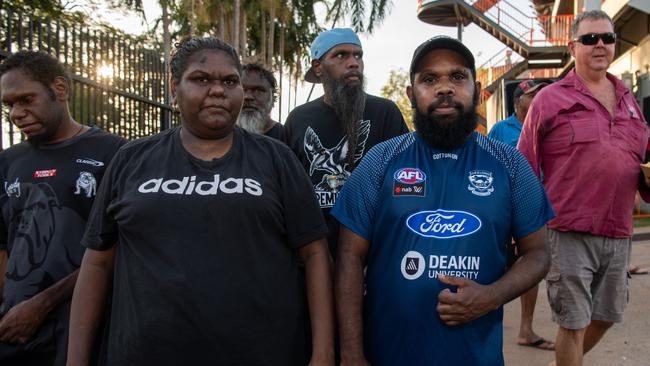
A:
[(38, 65), (265, 74), (190, 45)]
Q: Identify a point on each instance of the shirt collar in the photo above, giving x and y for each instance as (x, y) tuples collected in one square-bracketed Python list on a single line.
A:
[(572, 80), (513, 121)]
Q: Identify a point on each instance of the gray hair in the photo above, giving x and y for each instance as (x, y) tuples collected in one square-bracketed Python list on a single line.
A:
[(590, 15)]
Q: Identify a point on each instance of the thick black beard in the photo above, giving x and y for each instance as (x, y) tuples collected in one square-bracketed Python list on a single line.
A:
[(348, 102), (445, 133)]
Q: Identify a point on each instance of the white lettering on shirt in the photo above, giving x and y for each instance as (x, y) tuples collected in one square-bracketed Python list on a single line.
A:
[(189, 185)]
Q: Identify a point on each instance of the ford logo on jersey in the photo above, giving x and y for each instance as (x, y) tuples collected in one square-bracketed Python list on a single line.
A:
[(443, 224), (410, 176)]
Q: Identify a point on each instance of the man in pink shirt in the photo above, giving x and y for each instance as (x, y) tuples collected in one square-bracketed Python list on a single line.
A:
[(585, 137)]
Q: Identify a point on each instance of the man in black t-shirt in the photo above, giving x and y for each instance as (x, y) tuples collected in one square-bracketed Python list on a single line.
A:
[(260, 93), (49, 183), (331, 134)]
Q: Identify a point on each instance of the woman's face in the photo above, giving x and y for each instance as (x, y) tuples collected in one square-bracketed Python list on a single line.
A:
[(209, 94)]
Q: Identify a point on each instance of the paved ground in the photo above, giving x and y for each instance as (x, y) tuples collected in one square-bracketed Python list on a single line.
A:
[(626, 344)]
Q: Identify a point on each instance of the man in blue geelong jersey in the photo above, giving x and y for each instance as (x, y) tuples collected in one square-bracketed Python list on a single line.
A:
[(430, 215)]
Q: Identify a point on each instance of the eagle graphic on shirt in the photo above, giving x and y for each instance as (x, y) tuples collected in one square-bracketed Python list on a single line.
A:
[(333, 162)]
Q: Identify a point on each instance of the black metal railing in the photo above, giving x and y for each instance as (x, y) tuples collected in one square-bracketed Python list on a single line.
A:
[(118, 81)]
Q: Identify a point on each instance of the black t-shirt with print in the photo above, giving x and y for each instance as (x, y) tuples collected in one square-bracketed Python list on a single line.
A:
[(47, 197), (206, 270), (277, 132), (314, 134)]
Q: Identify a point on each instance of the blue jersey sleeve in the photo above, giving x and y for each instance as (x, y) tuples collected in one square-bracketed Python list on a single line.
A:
[(530, 206), (355, 205)]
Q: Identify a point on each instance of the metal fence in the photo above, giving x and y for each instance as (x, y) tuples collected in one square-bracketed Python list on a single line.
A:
[(118, 81)]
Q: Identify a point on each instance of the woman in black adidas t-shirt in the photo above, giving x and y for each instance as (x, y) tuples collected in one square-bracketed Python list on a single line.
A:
[(202, 230)]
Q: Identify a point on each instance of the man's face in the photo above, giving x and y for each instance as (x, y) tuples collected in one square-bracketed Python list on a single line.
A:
[(209, 94), (597, 57), (343, 62), (444, 95), (443, 85), (258, 102), (522, 105), (258, 95), (35, 110)]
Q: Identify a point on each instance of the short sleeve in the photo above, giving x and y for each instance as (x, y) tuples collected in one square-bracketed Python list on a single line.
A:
[(356, 204), (395, 125), (530, 205), (302, 214), (101, 229)]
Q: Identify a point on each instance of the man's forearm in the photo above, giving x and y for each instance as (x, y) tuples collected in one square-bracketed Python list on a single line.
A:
[(59, 292), (349, 305), (88, 304), (318, 271), (527, 272)]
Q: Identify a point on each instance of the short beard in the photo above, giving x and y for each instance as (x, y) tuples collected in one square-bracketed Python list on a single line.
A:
[(445, 133), (52, 126), (348, 102), (253, 121), (256, 120)]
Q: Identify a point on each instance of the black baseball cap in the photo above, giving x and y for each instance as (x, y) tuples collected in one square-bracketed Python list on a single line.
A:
[(442, 42)]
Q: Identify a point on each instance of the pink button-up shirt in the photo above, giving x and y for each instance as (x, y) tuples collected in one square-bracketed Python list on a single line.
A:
[(588, 160)]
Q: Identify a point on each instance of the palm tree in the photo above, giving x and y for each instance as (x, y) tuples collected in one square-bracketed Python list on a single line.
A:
[(361, 20)]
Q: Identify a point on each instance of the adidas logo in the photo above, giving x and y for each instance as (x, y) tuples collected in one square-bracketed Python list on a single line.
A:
[(189, 185)]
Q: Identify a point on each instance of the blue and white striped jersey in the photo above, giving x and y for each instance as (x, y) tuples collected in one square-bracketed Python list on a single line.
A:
[(428, 212)]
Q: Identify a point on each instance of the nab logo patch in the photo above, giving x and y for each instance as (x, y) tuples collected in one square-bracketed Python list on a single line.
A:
[(412, 265), (409, 182), (443, 224)]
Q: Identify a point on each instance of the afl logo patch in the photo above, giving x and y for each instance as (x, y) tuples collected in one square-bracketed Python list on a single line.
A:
[(409, 182)]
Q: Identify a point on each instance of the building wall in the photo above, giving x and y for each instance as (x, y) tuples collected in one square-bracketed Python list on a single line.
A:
[(635, 61)]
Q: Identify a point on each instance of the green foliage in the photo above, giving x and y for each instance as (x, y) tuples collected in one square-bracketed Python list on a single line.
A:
[(395, 90), (361, 21)]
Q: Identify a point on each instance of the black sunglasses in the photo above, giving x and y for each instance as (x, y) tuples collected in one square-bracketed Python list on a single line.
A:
[(591, 39)]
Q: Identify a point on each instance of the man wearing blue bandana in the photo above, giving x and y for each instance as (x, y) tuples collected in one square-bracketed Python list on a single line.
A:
[(429, 216)]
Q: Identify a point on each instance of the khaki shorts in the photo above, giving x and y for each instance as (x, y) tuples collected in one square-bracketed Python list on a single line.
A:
[(587, 279)]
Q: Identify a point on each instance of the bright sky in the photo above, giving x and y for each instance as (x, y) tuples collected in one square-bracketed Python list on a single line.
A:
[(389, 48)]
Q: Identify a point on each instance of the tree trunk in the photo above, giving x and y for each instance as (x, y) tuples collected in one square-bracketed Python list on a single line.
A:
[(166, 122), (221, 27), (262, 55), (235, 24), (269, 60), (281, 67), (289, 88), (242, 35)]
